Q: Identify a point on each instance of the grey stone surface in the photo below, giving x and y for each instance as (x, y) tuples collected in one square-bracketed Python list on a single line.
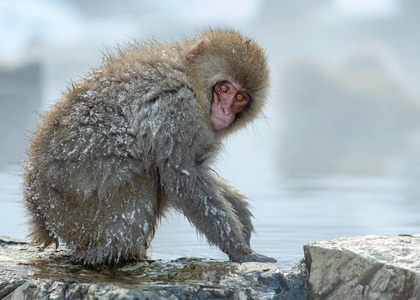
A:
[(368, 267), (26, 273)]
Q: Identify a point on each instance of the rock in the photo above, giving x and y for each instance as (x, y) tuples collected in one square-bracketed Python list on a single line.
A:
[(26, 273), (369, 267)]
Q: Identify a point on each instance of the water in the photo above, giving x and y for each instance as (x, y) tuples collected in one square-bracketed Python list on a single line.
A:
[(11, 212), (287, 215)]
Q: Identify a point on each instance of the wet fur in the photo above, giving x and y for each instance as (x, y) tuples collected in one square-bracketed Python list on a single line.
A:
[(133, 139)]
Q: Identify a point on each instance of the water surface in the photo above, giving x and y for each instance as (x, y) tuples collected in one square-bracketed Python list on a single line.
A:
[(287, 214)]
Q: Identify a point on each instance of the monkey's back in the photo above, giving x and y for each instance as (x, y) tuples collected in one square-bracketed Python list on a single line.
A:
[(91, 175)]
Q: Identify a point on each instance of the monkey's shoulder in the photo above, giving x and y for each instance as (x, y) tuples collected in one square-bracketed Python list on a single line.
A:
[(150, 62)]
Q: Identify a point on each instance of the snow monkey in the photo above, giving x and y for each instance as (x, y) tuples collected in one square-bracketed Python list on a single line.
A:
[(134, 138)]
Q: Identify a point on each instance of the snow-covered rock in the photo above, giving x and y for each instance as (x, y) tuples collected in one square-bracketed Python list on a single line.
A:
[(368, 267)]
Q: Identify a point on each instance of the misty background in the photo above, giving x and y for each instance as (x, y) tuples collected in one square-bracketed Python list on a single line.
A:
[(337, 151)]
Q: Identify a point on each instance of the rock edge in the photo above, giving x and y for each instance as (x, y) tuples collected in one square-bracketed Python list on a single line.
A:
[(367, 267), (26, 273)]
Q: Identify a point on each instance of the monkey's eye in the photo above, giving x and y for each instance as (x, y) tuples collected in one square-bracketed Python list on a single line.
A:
[(240, 97), (224, 88)]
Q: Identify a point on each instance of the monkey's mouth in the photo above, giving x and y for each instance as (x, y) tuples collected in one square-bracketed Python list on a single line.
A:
[(219, 123)]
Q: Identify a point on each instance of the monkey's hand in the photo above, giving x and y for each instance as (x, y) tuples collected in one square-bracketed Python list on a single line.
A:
[(255, 257)]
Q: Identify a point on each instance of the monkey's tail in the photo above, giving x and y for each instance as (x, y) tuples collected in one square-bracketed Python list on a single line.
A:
[(40, 235)]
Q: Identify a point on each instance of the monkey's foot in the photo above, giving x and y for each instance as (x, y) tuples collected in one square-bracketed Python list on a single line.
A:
[(255, 257)]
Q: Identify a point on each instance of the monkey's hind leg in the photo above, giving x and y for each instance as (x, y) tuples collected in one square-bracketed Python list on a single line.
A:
[(123, 225)]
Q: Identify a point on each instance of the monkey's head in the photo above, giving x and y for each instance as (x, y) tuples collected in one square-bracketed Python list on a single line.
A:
[(230, 77)]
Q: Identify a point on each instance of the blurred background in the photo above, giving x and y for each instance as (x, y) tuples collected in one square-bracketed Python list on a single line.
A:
[(337, 151)]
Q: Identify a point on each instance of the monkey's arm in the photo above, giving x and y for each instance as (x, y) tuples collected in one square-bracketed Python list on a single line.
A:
[(214, 208), (239, 204), (204, 206)]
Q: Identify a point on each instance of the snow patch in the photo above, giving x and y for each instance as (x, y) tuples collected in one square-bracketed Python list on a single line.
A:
[(185, 172)]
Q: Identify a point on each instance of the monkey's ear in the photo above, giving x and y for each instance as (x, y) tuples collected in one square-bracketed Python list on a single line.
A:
[(197, 50)]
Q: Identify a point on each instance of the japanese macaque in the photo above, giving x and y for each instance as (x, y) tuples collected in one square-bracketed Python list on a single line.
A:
[(134, 138)]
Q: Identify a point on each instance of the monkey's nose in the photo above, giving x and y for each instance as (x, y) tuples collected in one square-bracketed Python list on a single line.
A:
[(226, 110)]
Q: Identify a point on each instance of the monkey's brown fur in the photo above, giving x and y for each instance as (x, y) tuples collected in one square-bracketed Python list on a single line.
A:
[(133, 139)]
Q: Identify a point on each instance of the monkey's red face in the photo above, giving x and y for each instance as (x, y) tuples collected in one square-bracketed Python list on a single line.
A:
[(228, 100)]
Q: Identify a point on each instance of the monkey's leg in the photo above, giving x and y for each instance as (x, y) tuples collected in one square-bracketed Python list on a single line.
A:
[(39, 233), (104, 220), (125, 225), (239, 205)]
